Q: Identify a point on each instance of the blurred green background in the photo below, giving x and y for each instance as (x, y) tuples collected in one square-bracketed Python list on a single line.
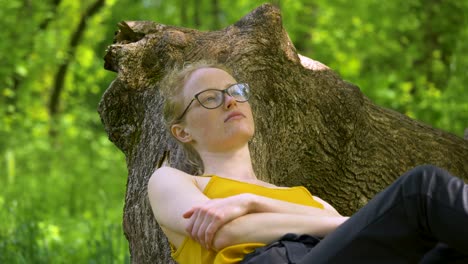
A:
[(63, 183)]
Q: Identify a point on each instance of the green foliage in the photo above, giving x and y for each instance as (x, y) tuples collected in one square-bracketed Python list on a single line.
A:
[(63, 182), (405, 55)]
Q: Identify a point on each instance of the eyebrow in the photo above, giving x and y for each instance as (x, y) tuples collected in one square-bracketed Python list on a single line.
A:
[(225, 87)]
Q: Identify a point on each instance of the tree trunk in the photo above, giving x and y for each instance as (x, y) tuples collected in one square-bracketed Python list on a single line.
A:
[(312, 128)]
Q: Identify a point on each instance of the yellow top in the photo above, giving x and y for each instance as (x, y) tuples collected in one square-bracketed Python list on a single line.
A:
[(190, 252)]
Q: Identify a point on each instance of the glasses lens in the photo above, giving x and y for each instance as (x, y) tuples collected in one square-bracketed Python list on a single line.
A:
[(211, 98), (240, 92)]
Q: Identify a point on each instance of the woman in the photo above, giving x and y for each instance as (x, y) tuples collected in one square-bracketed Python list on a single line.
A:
[(226, 213)]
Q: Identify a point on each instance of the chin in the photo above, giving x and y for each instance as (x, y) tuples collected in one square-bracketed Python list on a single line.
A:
[(238, 137), (246, 131)]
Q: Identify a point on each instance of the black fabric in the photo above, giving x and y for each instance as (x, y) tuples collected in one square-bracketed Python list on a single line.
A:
[(421, 218), (442, 253), (287, 250)]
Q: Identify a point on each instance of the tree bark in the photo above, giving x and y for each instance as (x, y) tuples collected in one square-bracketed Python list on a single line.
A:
[(312, 128)]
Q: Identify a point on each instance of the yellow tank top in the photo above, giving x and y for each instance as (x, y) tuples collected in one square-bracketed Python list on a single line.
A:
[(190, 252)]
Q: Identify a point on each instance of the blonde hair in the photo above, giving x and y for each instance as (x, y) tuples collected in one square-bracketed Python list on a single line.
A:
[(172, 90)]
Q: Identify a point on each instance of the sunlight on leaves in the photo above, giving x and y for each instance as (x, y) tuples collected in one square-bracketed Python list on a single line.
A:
[(50, 232), (21, 70), (8, 93), (11, 166), (85, 57)]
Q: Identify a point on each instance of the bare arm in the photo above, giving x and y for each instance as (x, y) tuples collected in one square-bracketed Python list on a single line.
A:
[(268, 227), (171, 193), (206, 219), (260, 204), (181, 209)]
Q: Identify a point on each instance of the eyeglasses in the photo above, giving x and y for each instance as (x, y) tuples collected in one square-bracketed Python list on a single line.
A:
[(214, 98)]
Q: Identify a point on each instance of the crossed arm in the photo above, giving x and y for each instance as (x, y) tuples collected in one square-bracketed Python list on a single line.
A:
[(253, 227), (183, 210)]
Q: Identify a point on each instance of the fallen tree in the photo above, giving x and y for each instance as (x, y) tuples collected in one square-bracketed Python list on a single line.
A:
[(312, 128)]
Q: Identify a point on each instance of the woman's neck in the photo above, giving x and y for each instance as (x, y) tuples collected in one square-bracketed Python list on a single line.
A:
[(235, 164)]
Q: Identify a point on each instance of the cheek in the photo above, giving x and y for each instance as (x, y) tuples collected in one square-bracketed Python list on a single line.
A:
[(203, 124)]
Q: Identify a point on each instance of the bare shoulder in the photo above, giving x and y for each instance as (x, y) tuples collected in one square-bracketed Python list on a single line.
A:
[(167, 176), (171, 193), (168, 171), (167, 182), (173, 188)]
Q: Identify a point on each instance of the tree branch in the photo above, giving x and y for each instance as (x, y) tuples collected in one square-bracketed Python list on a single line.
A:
[(17, 78), (63, 68)]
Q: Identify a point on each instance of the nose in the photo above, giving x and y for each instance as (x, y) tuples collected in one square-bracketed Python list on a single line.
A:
[(229, 101)]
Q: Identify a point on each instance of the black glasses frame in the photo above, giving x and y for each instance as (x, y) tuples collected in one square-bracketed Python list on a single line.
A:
[(225, 91)]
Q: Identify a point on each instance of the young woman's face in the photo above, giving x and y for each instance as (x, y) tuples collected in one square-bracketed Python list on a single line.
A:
[(224, 128)]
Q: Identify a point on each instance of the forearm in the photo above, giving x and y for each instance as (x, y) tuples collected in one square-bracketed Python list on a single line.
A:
[(268, 227), (261, 204)]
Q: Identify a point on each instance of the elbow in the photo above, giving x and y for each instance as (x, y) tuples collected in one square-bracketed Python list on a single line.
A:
[(219, 243), (223, 238)]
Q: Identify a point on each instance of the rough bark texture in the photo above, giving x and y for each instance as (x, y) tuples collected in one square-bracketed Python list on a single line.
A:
[(312, 128)]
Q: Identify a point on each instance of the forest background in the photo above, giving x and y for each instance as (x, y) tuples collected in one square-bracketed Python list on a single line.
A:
[(63, 182)]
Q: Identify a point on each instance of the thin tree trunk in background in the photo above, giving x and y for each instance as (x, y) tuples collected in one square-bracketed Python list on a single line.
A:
[(433, 38), (277, 3), (18, 79), (430, 40), (183, 12), (306, 17), (312, 128), (59, 79), (45, 23), (196, 13), (27, 6), (216, 13)]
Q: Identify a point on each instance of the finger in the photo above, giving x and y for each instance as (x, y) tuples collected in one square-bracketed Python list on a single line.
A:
[(189, 213), (198, 220), (204, 222), (210, 233), (216, 221), (191, 223)]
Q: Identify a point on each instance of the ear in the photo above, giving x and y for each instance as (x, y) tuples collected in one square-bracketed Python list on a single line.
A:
[(181, 133)]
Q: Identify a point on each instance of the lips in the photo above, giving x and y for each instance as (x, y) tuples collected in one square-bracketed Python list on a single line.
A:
[(235, 115)]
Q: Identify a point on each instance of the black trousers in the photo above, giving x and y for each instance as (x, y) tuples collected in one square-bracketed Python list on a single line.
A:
[(421, 218)]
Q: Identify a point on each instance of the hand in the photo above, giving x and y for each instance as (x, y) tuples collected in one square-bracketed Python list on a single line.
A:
[(206, 219)]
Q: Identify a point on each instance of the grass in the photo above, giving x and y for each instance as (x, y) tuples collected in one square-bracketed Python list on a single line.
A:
[(62, 202)]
